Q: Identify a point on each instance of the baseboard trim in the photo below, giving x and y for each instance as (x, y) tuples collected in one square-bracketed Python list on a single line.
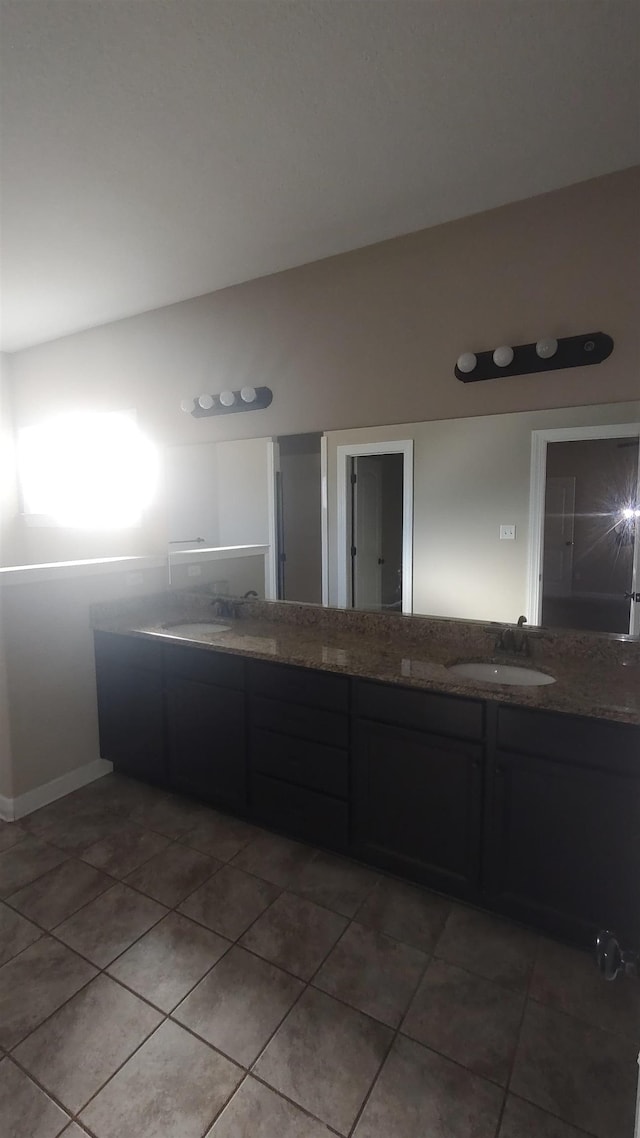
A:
[(11, 809)]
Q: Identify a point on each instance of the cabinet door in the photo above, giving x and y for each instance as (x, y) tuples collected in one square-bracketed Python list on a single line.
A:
[(130, 714), (564, 846), (206, 741), (418, 805)]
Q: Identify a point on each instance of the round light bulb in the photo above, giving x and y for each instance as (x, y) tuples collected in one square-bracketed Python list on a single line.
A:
[(503, 356), (248, 394), (547, 348), (467, 361), (206, 402), (227, 398), (187, 405)]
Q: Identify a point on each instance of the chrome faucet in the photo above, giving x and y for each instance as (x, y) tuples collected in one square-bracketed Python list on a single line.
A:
[(514, 640)]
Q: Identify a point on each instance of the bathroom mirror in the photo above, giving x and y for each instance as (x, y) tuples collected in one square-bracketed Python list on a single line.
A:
[(484, 518)]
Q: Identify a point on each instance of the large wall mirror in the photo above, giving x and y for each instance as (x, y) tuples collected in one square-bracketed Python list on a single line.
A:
[(487, 518)]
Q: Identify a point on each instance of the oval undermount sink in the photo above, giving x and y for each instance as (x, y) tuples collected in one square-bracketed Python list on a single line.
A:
[(488, 673), (195, 629)]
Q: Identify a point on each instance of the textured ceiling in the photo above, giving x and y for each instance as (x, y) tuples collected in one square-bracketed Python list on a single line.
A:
[(154, 151)]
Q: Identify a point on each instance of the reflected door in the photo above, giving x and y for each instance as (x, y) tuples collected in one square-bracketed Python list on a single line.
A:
[(377, 531), (559, 523)]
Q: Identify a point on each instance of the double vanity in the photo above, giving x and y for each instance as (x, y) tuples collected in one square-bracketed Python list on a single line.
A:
[(361, 732)]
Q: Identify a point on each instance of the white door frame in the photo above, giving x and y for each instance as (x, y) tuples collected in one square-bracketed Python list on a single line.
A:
[(538, 480), (324, 518), (271, 576), (343, 456)]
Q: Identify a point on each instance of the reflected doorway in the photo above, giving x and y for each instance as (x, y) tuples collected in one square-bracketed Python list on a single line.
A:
[(589, 565), (298, 479)]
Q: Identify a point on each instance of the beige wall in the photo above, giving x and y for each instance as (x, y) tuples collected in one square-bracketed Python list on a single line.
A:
[(470, 476), (368, 337)]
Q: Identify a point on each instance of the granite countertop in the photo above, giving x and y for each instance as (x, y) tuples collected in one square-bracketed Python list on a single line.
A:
[(595, 677)]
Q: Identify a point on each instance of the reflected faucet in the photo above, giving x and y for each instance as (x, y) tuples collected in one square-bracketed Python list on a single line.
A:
[(514, 640)]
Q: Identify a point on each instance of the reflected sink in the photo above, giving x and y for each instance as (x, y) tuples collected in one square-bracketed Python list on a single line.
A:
[(488, 673), (195, 629)]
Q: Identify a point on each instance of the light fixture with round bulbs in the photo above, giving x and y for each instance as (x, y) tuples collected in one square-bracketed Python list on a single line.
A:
[(467, 362), (248, 394), (206, 402), (503, 356), (547, 347), (227, 398)]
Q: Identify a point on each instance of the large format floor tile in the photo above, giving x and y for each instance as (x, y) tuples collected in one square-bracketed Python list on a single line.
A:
[(10, 834), (522, 1120), (173, 1087), (467, 1018), (15, 933), (25, 1110), (220, 835), (169, 960), (334, 882), (60, 892), (229, 902), (495, 949), (25, 862), (373, 973), (121, 853), (35, 983), (239, 1005), (325, 1057), (173, 874), (566, 980), (173, 817), (275, 859), (583, 1075), (85, 1042), (421, 1095), (255, 1111), (111, 923), (295, 934), (402, 911), (76, 834)]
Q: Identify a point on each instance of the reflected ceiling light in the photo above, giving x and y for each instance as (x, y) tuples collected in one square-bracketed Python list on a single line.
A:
[(248, 394), (467, 361), (547, 347), (205, 401), (227, 398), (503, 356)]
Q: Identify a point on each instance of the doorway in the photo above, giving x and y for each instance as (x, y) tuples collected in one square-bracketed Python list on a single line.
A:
[(588, 524), (375, 526), (298, 515)]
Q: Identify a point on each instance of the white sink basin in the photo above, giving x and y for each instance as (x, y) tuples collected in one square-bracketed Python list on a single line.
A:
[(195, 630), (501, 674)]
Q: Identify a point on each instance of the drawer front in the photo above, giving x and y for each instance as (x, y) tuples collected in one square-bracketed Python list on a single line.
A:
[(589, 742), (422, 711), (208, 667), (301, 761), (129, 650), (300, 812), (300, 685), (328, 727)]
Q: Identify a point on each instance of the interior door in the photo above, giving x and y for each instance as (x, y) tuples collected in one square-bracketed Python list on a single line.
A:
[(559, 527), (366, 550)]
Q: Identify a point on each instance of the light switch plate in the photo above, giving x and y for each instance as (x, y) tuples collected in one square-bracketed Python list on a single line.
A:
[(508, 532)]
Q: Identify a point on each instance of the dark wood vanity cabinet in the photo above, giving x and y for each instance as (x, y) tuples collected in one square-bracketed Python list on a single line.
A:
[(206, 732), (532, 814), (562, 838), (131, 705), (418, 774)]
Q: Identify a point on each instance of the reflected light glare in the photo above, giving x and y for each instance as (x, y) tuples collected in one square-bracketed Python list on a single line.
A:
[(88, 470), (630, 512)]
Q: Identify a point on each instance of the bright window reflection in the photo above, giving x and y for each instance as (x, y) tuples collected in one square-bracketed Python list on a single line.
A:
[(87, 470)]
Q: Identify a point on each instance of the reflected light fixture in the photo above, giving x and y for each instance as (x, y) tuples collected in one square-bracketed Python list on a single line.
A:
[(228, 402)]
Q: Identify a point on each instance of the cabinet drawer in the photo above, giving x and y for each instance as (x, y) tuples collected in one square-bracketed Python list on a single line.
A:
[(422, 711), (206, 666), (300, 685), (130, 651), (589, 742), (301, 761), (301, 812), (328, 727)]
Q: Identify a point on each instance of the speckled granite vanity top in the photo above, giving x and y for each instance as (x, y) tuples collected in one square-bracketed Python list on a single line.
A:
[(596, 676)]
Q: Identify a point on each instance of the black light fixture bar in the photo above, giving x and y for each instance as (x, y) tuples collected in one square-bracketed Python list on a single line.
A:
[(572, 351)]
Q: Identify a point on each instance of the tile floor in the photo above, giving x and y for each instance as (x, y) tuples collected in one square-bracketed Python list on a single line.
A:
[(169, 972)]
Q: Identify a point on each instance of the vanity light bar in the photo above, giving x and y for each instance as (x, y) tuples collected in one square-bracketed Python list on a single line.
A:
[(547, 354), (228, 402)]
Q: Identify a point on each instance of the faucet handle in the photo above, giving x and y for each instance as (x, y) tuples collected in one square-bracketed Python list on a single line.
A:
[(521, 620)]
